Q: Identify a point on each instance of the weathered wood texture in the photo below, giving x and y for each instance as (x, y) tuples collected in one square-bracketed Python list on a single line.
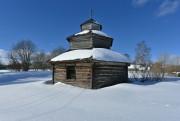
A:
[(89, 41), (83, 75), (90, 26), (81, 44), (108, 74), (99, 43), (92, 74)]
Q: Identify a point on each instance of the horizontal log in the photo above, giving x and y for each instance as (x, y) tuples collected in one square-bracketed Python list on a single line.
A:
[(108, 71), (109, 67), (85, 80), (59, 78), (110, 64), (85, 65), (59, 72), (60, 66), (64, 77), (82, 76), (60, 69), (85, 44), (109, 80), (83, 70), (106, 77), (108, 74), (82, 41), (60, 75)]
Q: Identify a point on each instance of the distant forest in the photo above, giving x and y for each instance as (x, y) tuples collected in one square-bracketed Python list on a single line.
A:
[(24, 56)]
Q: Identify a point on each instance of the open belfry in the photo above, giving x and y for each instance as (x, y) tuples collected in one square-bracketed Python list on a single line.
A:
[(90, 63)]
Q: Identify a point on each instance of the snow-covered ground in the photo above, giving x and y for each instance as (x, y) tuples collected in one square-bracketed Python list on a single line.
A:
[(25, 97)]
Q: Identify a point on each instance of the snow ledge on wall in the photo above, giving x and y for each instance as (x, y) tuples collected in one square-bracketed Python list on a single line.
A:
[(96, 54)]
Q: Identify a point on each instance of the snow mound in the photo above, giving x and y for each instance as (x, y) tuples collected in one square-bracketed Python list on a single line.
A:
[(93, 31), (95, 53)]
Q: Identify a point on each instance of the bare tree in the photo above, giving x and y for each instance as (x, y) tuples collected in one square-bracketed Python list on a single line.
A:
[(163, 59), (23, 51), (40, 61), (175, 61), (157, 73), (57, 51), (13, 61), (143, 60), (143, 54)]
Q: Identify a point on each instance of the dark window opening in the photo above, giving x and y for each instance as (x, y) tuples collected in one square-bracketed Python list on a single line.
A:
[(70, 71)]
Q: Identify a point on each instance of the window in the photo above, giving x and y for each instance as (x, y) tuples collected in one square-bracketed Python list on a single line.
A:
[(70, 72)]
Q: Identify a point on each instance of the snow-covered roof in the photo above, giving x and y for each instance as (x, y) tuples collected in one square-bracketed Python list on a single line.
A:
[(95, 53), (93, 31)]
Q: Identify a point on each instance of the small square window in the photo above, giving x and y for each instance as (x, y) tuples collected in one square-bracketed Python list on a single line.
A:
[(70, 72)]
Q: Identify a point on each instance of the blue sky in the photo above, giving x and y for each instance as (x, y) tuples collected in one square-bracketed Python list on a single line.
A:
[(48, 22)]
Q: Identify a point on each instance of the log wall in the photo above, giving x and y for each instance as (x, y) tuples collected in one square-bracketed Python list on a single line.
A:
[(99, 43), (90, 41), (91, 26), (83, 75), (81, 44), (92, 75), (109, 74)]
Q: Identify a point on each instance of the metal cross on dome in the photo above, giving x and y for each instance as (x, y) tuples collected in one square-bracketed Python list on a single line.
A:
[(91, 13)]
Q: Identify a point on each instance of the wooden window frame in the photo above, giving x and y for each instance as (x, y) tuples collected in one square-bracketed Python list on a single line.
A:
[(70, 72)]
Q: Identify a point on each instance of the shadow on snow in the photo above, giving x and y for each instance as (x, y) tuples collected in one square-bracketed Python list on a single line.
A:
[(147, 83), (9, 78)]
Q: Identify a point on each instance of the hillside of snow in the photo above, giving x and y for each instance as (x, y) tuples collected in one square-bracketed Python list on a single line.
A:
[(26, 97)]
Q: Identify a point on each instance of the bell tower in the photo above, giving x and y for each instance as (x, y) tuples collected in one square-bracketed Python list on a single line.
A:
[(90, 36)]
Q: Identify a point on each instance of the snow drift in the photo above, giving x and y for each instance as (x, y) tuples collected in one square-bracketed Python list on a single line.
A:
[(30, 99)]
